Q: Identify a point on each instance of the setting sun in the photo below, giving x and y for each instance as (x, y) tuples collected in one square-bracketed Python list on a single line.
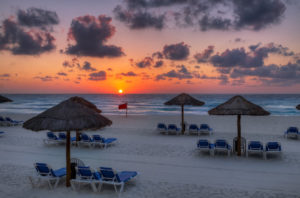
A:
[(120, 91)]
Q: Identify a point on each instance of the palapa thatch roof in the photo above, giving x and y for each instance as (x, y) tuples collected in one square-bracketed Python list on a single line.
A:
[(298, 107), (85, 102), (238, 105), (184, 99), (69, 115), (4, 99)]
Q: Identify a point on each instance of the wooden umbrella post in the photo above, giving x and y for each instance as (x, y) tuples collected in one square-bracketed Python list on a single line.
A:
[(68, 165), (77, 137), (182, 120), (239, 134)]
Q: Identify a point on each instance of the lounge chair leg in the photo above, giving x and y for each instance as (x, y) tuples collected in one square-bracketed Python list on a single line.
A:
[(50, 185), (73, 186), (116, 188), (94, 187), (100, 187), (122, 187)]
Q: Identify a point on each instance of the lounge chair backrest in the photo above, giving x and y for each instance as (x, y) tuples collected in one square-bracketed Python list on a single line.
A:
[(62, 136), (43, 169), (161, 126), (97, 138), (85, 137), (255, 145), (1, 118), (221, 143), (204, 126), (51, 135), (193, 126), (172, 126), (293, 130), (203, 143), (108, 174), (273, 145), (85, 172)]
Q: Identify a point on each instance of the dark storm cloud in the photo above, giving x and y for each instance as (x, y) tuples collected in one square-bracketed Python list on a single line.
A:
[(255, 58), (30, 34), (87, 67), (146, 62), (90, 35), (97, 76), (46, 78), (158, 64), (181, 73), (179, 51), (217, 14), (19, 41), (258, 14), (130, 73), (62, 74), (288, 72), (205, 55), (139, 19), (37, 17), (215, 23)]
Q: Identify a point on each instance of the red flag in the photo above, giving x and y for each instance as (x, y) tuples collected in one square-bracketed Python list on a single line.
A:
[(123, 106)]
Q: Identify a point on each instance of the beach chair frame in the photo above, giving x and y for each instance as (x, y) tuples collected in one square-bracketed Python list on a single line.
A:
[(85, 175), (47, 176), (269, 150), (162, 128), (193, 129), (219, 147), (111, 177), (256, 147), (173, 129), (292, 132), (205, 129)]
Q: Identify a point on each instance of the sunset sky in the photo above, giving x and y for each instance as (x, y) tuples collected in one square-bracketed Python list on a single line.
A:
[(150, 46)]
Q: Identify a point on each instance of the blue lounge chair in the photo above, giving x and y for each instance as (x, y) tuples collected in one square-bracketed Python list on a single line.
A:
[(86, 140), (205, 128), (62, 137), (2, 133), (3, 122), (110, 176), (193, 129), (51, 138), (85, 175), (205, 145), (223, 146), (255, 147), (273, 147), (162, 128), (46, 173), (291, 132), (173, 129), (101, 141), (13, 122)]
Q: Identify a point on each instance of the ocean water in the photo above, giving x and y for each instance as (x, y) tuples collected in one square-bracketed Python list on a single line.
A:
[(144, 104)]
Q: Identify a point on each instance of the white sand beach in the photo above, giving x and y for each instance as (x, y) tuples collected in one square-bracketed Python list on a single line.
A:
[(168, 166)]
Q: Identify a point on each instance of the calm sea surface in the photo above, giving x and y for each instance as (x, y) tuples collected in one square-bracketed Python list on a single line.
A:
[(144, 104)]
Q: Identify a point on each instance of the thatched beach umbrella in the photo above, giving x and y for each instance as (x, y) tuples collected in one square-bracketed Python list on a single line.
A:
[(4, 99), (69, 115), (86, 103), (298, 107), (238, 105), (181, 100)]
